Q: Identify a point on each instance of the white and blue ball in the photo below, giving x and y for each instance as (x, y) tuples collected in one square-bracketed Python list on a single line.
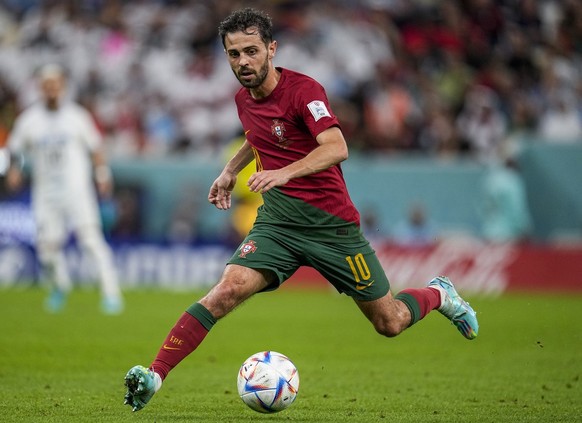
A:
[(268, 382)]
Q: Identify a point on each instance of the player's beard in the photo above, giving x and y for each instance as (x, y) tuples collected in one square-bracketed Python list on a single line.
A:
[(258, 79), (52, 103)]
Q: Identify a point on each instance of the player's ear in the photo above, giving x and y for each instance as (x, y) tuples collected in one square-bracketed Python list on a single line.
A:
[(272, 49)]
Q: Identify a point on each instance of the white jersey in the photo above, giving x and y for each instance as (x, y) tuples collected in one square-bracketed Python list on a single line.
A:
[(58, 144)]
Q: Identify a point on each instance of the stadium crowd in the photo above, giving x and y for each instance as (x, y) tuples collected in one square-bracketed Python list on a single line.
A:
[(442, 78)]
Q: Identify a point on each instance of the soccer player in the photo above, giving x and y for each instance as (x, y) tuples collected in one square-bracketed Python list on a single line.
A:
[(307, 218), (64, 148)]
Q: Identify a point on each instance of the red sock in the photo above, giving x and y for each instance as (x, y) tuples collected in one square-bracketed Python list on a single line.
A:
[(184, 338), (420, 301)]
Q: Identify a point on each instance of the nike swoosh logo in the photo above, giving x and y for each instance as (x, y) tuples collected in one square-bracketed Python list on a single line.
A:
[(361, 287), (167, 347)]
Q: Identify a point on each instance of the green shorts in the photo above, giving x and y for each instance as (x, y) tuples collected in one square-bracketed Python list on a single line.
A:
[(351, 267)]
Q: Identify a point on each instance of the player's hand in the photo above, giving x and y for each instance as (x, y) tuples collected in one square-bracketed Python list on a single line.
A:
[(104, 188), (14, 179), (103, 179), (220, 191), (265, 180)]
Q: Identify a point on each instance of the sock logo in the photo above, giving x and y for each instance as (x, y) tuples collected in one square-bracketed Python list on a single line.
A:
[(174, 344)]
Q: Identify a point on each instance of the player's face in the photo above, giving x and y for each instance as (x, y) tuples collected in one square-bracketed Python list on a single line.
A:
[(249, 57), (52, 88)]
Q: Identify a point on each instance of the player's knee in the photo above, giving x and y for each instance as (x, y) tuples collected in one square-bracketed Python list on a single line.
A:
[(90, 239), (388, 328), (48, 252)]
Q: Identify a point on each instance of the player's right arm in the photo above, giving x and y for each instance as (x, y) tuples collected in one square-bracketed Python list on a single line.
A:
[(332, 149), (15, 147), (92, 140), (14, 178), (221, 189)]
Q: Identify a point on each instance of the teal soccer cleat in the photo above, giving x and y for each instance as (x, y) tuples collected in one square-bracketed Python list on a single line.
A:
[(112, 306), (454, 308), (56, 301), (142, 384)]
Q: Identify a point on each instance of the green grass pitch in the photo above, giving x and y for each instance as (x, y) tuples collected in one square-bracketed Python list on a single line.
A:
[(525, 366)]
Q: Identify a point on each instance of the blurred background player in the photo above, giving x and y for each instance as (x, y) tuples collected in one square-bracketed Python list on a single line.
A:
[(64, 147)]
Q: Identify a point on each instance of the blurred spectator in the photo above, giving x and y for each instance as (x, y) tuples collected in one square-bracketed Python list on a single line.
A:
[(127, 224), (452, 80), (389, 110), (371, 225), (439, 135), (482, 125), (561, 121), (417, 229), (151, 71), (183, 225), (161, 125), (506, 216)]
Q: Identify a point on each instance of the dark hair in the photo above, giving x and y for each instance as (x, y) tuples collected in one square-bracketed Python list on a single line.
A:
[(245, 19)]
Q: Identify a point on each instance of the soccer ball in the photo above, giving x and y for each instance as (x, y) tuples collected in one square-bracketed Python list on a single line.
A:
[(268, 382)]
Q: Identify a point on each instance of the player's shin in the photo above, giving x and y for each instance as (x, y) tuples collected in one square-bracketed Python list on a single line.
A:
[(183, 338)]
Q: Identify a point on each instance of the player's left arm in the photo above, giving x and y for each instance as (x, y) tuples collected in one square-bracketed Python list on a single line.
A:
[(91, 137), (221, 189), (102, 173), (15, 146), (332, 149)]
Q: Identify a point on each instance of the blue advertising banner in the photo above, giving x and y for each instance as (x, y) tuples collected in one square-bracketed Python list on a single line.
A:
[(138, 265)]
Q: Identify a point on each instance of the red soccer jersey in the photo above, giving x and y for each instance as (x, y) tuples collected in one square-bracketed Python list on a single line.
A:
[(282, 129)]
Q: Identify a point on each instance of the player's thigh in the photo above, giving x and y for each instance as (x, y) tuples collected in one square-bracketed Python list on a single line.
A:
[(353, 269), (91, 237), (83, 211), (51, 224), (266, 250)]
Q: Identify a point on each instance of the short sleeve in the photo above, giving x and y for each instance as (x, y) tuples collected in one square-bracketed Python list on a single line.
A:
[(314, 106), (16, 142)]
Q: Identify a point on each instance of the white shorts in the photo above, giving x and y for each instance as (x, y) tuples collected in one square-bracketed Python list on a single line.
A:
[(57, 216)]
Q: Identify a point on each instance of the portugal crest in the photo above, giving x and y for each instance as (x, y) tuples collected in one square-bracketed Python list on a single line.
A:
[(278, 129), (247, 248)]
